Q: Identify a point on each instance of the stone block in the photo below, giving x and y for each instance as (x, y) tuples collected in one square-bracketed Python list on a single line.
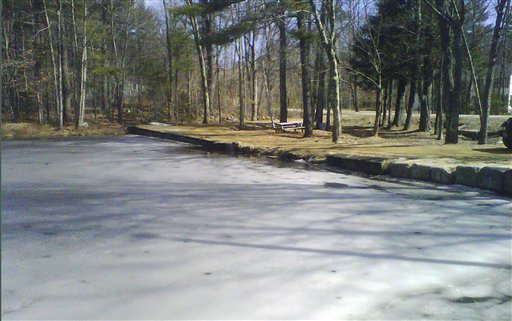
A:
[(221, 147), (491, 178), (467, 175), (399, 170), (288, 156), (366, 164), (507, 183), (443, 175), (420, 172)]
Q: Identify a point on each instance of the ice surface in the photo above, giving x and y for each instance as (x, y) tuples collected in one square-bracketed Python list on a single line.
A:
[(138, 228)]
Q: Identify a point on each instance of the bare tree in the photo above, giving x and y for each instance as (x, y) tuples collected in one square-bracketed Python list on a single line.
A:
[(267, 71), (202, 64), (328, 36), (451, 73), (37, 9), (83, 74), (56, 64), (493, 56), (283, 97), (304, 66), (415, 67), (169, 60), (241, 82)]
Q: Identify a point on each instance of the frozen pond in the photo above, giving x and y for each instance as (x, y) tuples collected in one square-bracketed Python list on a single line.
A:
[(138, 228)]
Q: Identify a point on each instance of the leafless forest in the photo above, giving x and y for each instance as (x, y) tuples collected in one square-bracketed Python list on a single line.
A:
[(211, 61)]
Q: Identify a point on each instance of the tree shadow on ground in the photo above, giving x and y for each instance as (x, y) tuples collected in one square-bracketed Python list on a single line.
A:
[(350, 253), (145, 212), (499, 150)]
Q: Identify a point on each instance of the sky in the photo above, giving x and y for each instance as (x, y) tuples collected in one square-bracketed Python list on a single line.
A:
[(155, 4)]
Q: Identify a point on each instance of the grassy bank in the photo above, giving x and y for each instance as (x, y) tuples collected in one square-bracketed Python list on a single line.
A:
[(357, 139), (36, 131)]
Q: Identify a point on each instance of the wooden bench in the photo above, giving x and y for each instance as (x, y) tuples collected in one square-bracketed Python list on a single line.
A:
[(291, 126)]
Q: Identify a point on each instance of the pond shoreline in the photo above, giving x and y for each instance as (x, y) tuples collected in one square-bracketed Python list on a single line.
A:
[(494, 178)]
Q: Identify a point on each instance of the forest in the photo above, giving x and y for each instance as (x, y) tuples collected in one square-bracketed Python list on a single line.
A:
[(216, 61)]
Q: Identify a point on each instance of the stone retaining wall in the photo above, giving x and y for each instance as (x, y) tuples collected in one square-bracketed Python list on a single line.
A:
[(495, 179)]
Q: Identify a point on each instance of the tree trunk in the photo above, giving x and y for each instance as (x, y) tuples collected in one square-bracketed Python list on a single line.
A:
[(384, 103), (328, 116), (314, 87), (37, 8), (399, 107), (66, 80), (266, 62), (268, 90), (469, 96), (60, 97), (252, 74), (240, 87), (415, 67), (410, 104), (217, 76), (334, 97), (208, 48), (304, 64), (452, 81), (169, 62), (283, 109), (83, 74), (446, 67), (104, 78), (320, 100), (493, 56), (119, 100), (259, 90), (378, 104), (355, 100), (47, 103), (189, 96), (452, 128), (77, 66), (328, 36), (424, 95), (439, 109), (202, 67), (57, 80), (509, 92), (390, 99), (2, 103)]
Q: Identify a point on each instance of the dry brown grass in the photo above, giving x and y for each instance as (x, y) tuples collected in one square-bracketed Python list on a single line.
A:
[(36, 131), (357, 139)]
